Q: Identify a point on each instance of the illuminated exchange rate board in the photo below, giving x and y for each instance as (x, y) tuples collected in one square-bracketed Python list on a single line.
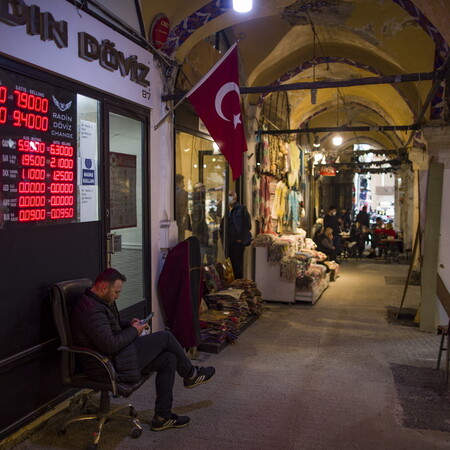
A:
[(38, 183)]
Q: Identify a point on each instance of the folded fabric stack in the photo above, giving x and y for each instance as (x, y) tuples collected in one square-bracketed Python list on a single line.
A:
[(234, 302), (278, 250), (294, 267), (264, 240), (251, 294), (217, 326), (313, 279)]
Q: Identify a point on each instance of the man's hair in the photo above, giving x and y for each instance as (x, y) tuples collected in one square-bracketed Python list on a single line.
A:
[(331, 208), (179, 178), (110, 276)]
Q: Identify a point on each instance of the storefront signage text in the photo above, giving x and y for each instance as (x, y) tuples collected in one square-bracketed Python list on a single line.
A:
[(17, 13)]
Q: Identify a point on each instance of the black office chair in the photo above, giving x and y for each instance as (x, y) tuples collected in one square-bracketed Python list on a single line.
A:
[(63, 297)]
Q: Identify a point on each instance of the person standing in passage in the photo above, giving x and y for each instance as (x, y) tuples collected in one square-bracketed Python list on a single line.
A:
[(363, 217), (181, 206), (331, 221), (238, 234), (95, 323)]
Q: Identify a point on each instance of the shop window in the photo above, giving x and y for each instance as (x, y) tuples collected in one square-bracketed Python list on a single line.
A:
[(201, 186)]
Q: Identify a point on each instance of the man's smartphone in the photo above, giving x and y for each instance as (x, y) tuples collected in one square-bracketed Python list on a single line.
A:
[(147, 319)]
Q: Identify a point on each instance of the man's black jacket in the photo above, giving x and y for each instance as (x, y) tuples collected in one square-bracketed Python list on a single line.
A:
[(96, 325)]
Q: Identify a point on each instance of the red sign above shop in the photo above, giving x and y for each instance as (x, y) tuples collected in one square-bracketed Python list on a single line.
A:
[(328, 171), (159, 31)]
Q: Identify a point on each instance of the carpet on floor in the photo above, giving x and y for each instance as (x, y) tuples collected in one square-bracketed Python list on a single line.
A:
[(405, 317), (424, 397)]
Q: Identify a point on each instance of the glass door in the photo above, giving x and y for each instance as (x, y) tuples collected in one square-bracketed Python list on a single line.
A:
[(126, 212)]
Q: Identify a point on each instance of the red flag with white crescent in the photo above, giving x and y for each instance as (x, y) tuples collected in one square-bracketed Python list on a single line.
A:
[(216, 98)]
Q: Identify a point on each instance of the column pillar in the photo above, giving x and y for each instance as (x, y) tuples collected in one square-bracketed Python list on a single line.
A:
[(438, 149)]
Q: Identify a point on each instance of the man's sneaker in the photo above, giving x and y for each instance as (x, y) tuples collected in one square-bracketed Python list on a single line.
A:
[(174, 422), (204, 374)]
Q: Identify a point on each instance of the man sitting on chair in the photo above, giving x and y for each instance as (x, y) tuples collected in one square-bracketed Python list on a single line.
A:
[(95, 323)]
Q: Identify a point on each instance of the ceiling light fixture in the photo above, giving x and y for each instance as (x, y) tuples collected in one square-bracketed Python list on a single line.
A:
[(337, 140), (242, 6), (316, 141)]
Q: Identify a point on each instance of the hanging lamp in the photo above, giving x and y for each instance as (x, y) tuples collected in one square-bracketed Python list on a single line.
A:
[(242, 6), (337, 140), (316, 141)]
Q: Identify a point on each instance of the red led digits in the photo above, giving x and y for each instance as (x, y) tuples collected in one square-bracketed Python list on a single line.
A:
[(62, 200), (31, 201), (62, 213), (25, 145), (30, 121), (62, 175), (32, 160), (31, 102), (61, 150), (31, 187), (33, 174), (61, 188), (3, 94), (3, 114), (31, 215)]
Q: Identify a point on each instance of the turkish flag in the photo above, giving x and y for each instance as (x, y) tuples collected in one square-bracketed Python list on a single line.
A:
[(216, 98)]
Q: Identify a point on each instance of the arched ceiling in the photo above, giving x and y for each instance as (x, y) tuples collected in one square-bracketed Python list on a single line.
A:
[(290, 41)]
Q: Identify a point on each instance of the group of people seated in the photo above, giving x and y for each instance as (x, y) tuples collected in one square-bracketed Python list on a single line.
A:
[(360, 237)]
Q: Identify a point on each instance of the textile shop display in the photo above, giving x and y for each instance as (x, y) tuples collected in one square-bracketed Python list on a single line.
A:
[(289, 268), (231, 304)]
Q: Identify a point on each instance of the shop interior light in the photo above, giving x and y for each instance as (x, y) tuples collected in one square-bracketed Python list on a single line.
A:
[(316, 141), (318, 157), (242, 6)]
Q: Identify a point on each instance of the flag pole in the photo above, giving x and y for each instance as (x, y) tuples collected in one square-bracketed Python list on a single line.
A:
[(204, 78), (170, 112)]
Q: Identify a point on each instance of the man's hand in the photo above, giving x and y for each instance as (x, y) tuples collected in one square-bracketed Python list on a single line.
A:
[(140, 328)]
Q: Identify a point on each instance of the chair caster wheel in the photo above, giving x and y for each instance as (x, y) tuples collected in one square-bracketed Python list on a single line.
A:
[(136, 433), (91, 446), (133, 412)]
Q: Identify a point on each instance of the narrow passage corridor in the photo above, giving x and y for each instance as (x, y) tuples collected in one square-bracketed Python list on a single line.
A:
[(336, 375)]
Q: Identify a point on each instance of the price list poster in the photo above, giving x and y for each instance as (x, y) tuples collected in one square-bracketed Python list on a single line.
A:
[(38, 152)]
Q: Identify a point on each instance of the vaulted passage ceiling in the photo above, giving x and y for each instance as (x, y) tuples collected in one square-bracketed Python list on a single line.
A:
[(289, 41)]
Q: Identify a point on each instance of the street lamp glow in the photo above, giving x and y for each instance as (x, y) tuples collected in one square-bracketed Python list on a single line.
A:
[(242, 6)]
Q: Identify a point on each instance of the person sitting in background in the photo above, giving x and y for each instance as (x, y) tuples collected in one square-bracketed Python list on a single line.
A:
[(95, 323), (345, 220), (331, 221), (389, 230), (325, 244)]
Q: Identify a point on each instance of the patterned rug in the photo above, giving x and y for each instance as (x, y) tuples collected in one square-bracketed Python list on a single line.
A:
[(424, 397)]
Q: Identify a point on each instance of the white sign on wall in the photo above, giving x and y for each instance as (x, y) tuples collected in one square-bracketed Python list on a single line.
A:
[(59, 37)]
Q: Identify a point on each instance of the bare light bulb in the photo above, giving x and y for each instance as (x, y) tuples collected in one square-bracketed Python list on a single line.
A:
[(337, 140), (242, 6)]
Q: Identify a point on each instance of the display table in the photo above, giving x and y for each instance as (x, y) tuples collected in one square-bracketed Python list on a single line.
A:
[(276, 289), (267, 277)]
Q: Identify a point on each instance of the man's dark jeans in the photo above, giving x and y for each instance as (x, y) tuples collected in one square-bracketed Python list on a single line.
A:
[(160, 352), (236, 254)]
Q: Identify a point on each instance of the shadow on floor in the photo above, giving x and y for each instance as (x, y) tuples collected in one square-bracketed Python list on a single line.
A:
[(424, 397)]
